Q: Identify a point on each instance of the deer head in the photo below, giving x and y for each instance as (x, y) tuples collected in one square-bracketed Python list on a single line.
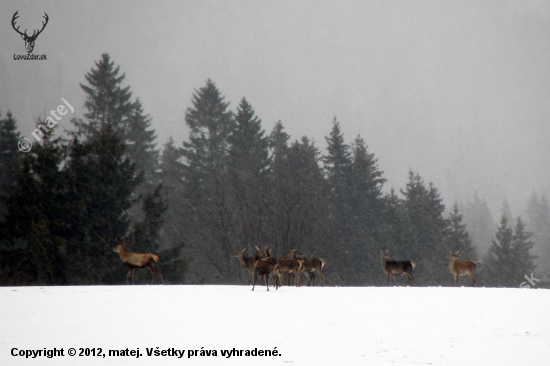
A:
[(29, 40)]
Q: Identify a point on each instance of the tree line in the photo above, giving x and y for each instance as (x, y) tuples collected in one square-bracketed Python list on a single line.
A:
[(229, 185)]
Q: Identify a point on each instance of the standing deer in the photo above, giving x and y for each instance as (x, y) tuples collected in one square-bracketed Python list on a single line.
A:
[(248, 263), (264, 265), (397, 268), (289, 265), (461, 268), (310, 266), (136, 260)]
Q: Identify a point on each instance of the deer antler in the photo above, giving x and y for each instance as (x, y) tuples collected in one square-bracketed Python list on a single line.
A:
[(34, 34), (15, 16), (43, 26)]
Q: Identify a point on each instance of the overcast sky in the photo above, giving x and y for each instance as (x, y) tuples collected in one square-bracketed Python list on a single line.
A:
[(457, 91)]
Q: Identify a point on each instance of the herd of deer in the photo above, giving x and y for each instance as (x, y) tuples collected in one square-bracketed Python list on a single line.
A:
[(294, 264)]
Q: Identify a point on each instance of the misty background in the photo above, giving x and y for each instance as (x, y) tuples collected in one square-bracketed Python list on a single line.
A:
[(456, 91)]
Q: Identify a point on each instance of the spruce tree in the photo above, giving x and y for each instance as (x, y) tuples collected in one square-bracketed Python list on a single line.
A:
[(428, 228), (521, 250), (538, 215), (9, 155), (458, 237), (248, 164), (297, 199), (509, 258), (101, 181), (205, 167), (34, 230), (140, 139), (171, 235), (480, 223), (367, 208), (248, 153), (107, 103), (337, 164), (110, 104), (498, 266)]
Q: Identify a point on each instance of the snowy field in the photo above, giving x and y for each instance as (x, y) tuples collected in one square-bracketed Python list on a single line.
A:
[(306, 326)]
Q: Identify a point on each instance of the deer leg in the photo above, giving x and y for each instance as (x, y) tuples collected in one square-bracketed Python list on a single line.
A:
[(128, 277), (254, 284), (160, 274), (322, 277), (151, 268), (473, 280), (410, 279)]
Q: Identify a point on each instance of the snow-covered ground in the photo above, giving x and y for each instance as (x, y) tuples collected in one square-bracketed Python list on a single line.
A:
[(306, 326)]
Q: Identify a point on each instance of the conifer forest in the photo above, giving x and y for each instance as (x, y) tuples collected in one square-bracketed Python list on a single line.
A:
[(208, 203)]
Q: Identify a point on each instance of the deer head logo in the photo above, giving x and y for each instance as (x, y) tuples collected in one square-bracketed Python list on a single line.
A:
[(29, 40)]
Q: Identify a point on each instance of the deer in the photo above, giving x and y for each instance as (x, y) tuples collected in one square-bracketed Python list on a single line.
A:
[(29, 40), (136, 260), (310, 266), (397, 268), (288, 264), (248, 263), (264, 265), (461, 268)]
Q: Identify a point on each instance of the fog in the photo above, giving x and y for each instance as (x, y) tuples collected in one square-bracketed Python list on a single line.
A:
[(457, 91)]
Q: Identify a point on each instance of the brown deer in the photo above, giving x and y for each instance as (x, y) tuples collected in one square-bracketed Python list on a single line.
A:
[(289, 265), (136, 260), (310, 266), (397, 268), (461, 268), (264, 265), (248, 263)]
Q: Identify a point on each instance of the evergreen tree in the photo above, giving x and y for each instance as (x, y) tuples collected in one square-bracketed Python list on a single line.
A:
[(297, 203), (538, 214), (101, 182), (171, 234), (498, 266), (338, 165), (248, 153), (109, 104), (395, 232), (141, 145), (171, 176), (428, 230), (458, 238), (34, 229), (9, 155), (480, 223), (206, 185), (524, 262), (278, 143), (367, 207), (248, 164)]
